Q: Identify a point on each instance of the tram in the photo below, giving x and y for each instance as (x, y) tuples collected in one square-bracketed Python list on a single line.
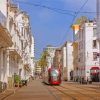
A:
[(52, 76)]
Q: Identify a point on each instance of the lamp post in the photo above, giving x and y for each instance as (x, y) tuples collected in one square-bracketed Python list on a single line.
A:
[(98, 29)]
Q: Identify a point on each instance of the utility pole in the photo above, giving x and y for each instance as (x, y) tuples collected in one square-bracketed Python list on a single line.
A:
[(98, 19), (98, 30)]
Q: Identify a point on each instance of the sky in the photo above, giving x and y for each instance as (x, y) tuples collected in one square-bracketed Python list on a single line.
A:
[(51, 20)]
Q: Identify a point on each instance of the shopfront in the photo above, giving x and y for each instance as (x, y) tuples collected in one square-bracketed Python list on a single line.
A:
[(94, 71)]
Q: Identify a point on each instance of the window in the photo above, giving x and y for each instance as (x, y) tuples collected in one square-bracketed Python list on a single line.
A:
[(54, 73), (94, 44), (22, 45), (94, 56), (10, 25), (78, 59), (94, 32)]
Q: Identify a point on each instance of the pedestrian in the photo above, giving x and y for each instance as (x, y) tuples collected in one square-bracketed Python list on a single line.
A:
[(87, 80)]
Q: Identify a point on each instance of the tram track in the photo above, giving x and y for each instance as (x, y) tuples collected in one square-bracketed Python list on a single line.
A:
[(68, 95), (92, 98), (75, 91), (86, 88), (58, 92), (51, 92), (56, 96)]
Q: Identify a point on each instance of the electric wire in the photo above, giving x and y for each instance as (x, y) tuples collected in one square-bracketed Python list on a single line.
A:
[(74, 20), (61, 11)]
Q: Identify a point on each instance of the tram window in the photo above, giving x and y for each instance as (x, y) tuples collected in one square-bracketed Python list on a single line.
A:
[(54, 73)]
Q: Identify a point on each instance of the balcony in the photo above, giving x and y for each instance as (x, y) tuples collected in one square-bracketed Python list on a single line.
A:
[(27, 67), (14, 50), (13, 7), (5, 37)]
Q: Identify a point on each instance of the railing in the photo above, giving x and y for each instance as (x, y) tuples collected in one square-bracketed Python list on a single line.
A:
[(16, 47), (13, 5), (3, 19)]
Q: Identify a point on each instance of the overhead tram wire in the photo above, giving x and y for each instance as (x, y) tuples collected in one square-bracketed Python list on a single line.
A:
[(61, 11), (74, 20), (44, 6), (58, 10)]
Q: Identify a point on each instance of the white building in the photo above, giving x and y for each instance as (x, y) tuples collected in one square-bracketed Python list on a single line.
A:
[(51, 54), (98, 19), (32, 57), (67, 61), (23, 24), (88, 49), (5, 42), (15, 43), (38, 69)]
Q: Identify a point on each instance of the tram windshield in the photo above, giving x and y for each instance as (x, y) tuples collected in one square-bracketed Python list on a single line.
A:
[(54, 73)]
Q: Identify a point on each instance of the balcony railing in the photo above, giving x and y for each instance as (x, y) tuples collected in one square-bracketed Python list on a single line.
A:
[(3, 19)]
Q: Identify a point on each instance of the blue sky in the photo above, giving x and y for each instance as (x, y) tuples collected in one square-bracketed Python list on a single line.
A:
[(50, 27)]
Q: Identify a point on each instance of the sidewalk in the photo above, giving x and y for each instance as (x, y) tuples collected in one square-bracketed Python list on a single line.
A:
[(7, 93), (35, 90)]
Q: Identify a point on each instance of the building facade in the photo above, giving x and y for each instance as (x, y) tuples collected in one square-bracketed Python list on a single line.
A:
[(88, 49), (32, 55), (51, 53), (67, 61), (38, 69), (15, 43), (75, 52), (98, 20), (57, 60)]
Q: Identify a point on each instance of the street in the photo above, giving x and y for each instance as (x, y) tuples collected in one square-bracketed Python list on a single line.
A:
[(53, 40), (36, 90)]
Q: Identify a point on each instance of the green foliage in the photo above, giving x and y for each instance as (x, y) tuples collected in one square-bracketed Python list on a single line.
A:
[(17, 79), (43, 60)]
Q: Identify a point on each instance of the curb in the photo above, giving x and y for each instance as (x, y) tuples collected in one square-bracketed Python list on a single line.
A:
[(7, 95)]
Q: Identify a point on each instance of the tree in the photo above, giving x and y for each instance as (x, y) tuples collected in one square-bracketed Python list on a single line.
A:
[(82, 19), (43, 60)]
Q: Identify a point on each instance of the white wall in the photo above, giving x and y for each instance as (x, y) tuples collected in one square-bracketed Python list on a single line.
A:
[(87, 49), (64, 56), (3, 7), (69, 59), (98, 19), (33, 57), (51, 51)]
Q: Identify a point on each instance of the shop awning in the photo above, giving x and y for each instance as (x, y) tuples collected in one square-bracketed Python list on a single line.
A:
[(94, 70)]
